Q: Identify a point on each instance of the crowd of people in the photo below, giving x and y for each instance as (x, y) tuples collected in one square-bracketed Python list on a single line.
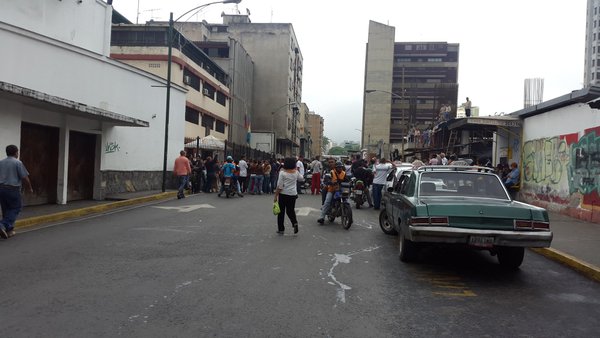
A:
[(284, 178)]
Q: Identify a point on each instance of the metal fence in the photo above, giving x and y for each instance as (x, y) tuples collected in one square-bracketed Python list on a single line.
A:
[(239, 150)]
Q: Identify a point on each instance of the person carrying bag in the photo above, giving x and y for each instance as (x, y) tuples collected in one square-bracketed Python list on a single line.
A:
[(286, 194)]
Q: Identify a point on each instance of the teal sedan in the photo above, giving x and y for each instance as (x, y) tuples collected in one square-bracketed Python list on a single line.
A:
[(461, 205)]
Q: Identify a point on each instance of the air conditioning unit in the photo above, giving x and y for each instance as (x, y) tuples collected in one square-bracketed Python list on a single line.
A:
[(205, 92), (187, 79)]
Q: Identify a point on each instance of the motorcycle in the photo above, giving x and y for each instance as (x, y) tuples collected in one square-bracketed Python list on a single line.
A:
[(358, 192), (307, 180), (340, 207), (229, 189)]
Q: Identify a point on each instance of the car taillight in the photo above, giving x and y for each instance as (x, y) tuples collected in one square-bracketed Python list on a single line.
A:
[(522, 224), (419, 220), (540, 225), (531, 225), (429, 220), (439, 220)]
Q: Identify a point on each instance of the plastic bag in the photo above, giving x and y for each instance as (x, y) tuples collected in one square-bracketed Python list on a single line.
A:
[(276, 209)]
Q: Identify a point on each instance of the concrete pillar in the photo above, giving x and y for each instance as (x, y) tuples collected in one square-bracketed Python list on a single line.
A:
[(63, 163)]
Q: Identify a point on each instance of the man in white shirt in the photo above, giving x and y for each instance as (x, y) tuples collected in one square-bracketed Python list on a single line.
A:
[(300, 168), (243, 173), (468, 108), (381, 171), (315, 186)]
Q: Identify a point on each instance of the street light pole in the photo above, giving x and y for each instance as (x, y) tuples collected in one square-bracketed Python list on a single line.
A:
[(168, 86)]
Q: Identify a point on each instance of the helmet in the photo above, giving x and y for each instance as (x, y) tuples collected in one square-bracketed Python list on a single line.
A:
[(339, 164), (229, 158)]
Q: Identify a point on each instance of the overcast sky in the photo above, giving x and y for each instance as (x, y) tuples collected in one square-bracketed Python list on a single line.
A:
[(501, 44)]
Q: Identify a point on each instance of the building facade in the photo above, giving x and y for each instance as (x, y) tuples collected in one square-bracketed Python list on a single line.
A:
[(215, 41), (406, 85), (87, 125), (206, 111), (316, 128), (278, 65), (560, 163), (591, 75)]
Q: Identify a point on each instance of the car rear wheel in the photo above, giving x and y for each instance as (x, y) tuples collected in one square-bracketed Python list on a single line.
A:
[(385, 223), (511, 257), (408, 249)]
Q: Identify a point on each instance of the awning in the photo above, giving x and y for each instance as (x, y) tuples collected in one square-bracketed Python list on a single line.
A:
[(209, 142), (38, 99)]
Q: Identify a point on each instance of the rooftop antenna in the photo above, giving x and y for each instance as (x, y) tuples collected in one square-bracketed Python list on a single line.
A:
[(152, 17)]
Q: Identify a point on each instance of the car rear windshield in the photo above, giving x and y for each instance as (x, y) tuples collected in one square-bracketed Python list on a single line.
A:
[(461, 184)]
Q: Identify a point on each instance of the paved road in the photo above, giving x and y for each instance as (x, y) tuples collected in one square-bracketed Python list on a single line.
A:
[(205, 266)]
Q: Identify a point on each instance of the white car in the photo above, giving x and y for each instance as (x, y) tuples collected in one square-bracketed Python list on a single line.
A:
[(395, 174)]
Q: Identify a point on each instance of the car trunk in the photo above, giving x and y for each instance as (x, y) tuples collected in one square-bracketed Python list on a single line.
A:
[(477, 213)]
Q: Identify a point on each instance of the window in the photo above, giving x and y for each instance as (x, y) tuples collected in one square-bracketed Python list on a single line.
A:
[(408, 47), (209, 91), (221, 98), (434, 60), (220, 127), (191, 79), (421, 47), (154, 65), (402, 59), (192, 116), (208, 122)]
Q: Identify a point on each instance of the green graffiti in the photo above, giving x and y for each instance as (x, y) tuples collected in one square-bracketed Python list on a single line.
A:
[(111, 147), (545, 160), (584, 168)]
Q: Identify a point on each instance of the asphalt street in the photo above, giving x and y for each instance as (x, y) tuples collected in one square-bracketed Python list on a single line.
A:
[(207, 266)]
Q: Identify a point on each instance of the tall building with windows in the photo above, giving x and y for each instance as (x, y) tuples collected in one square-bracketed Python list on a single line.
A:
[(208, 95), (591, 75), (406, 85)]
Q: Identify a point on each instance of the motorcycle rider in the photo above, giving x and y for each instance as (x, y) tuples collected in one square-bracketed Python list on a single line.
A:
[(364, 174), (338, 175), (228, 170)]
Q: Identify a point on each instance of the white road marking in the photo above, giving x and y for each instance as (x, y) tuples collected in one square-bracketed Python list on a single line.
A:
[(187, 208), (344, 258), (164, 229), (304, 211)]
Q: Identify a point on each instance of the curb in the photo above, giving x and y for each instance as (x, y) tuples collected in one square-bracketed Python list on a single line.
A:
[(589, 270), (96, 209)]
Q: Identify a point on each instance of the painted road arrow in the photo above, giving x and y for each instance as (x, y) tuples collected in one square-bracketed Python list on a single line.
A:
[(187, 208)]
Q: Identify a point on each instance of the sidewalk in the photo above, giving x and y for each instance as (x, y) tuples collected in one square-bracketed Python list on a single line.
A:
[(48, 213), (576, 243)]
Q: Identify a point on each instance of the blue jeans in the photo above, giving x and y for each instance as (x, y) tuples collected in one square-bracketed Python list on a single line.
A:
[(10, 201), (258, 181), (266, 184), (377, 188), (326, 204), (183, 180), (274, 182)]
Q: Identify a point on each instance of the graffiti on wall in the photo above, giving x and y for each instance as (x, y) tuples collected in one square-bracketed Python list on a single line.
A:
[(545, 160), (111, 147), (556, 168)]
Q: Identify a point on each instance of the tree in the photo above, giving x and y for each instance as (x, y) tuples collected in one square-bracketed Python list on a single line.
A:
[(325, 143), (338, 151)]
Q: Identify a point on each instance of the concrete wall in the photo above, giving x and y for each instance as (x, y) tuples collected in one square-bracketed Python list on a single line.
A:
[(83, 24), (378, 76), (561, 161)]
